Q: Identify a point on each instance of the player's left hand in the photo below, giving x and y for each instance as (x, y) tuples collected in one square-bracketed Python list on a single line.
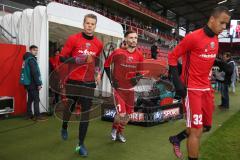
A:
[(135, 79), (89, 59)]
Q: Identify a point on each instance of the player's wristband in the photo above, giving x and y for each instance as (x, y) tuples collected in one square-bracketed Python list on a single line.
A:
[(73, 60), (66, 60)]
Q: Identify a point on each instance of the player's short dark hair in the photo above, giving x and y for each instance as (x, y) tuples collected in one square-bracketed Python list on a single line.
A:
[(220, 9), (227, 54), (93, 16), (32, 47), (129, 32)]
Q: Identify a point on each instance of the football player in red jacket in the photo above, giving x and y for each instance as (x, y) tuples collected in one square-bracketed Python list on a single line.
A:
[(124, 63), (198, 51), (81, 51)]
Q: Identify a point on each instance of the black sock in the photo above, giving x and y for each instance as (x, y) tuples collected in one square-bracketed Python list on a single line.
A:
[(82, 132), (84, 120), (182, 135), (67, 114), (64, 125), (189, 158)]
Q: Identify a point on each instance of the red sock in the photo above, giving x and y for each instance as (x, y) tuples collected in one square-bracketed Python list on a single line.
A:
[(115, 125), (121, 127)]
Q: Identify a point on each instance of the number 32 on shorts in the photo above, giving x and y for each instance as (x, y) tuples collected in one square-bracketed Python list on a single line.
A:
[(197, 119)]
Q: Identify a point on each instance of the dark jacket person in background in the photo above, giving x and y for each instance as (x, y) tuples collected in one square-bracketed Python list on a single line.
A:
[(227, 66), (154, 50), (35, 84)]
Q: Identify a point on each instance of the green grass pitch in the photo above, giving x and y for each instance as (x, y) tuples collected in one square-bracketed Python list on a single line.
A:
[(26, 140)]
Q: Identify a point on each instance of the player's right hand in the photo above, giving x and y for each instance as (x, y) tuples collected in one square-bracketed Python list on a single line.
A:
[(181, 91), (135, 79), (179, 87)]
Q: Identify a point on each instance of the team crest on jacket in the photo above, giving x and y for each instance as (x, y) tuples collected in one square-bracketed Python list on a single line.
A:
[(88, 45), (212, 45), (130, 59)]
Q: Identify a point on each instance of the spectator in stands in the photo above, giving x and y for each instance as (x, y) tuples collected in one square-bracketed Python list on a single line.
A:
[(154, 50)]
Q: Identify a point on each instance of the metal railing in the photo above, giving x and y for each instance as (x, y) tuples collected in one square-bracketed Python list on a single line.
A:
[(9, 9), (125, 22), (4, 32)]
